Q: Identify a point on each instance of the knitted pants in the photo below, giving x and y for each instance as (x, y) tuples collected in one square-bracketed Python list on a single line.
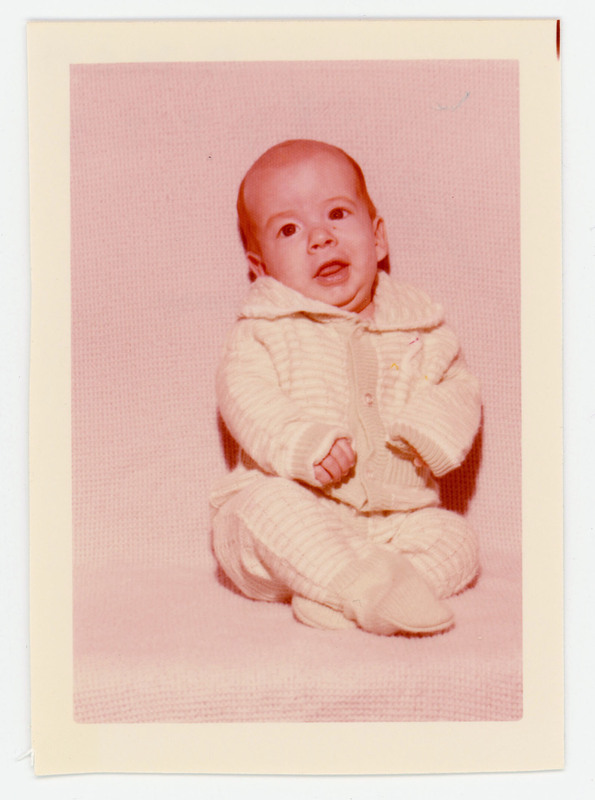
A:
[(277, 538)]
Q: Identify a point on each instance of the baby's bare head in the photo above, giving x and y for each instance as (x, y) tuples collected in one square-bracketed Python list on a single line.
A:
[(279, 157), (307, 221)]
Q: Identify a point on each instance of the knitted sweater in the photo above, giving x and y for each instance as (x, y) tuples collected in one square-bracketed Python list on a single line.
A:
[(297, 374)]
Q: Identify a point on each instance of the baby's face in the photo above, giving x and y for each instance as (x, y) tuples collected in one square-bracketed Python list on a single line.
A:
[(314, 231)]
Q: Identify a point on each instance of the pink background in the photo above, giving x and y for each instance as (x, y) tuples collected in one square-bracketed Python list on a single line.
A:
[(158, 151)]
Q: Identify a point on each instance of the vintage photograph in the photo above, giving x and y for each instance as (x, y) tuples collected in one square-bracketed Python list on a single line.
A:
[(311, 415), (283, 299)]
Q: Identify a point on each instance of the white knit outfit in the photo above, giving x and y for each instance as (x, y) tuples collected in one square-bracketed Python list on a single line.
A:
[(297, 374)]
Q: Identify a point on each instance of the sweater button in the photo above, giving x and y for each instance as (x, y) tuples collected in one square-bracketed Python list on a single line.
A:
[(368, 399), (369, 471), (358, 333)]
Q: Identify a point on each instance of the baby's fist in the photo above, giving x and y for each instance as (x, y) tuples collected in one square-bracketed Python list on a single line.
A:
[(338, 463)]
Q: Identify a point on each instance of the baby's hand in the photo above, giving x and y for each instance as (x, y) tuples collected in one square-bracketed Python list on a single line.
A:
[(336, 464)]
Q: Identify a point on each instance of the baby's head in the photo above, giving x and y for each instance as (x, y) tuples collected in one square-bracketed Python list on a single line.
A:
[(306, 219)]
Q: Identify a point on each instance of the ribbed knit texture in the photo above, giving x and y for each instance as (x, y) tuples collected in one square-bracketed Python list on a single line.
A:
[(276, 538), (442, 546), (297, 374)]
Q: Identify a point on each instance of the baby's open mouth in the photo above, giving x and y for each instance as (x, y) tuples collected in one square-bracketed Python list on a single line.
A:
[(331, 271)]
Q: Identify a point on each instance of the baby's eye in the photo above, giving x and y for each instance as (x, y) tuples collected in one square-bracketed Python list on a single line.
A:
[(338, 213), (288, 230)]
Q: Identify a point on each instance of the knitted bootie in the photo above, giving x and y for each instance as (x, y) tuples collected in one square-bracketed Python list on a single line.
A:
[(386, 595), (316, 615)]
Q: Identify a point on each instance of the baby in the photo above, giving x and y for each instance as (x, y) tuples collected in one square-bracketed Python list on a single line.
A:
[(348, 396)]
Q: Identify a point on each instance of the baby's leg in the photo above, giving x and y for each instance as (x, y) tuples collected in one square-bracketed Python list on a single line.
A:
[(441, 546), (278, 539)]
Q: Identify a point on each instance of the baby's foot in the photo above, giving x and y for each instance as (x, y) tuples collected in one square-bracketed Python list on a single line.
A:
[(404, 604), (317, 615)]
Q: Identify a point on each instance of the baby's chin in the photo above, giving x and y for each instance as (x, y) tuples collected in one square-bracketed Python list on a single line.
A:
[(360, 301), (357, 302), (363, 307), (340, 294)]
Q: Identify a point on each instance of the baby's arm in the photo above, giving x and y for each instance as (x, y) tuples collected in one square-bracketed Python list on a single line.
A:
[(282, 437), (441, 415)]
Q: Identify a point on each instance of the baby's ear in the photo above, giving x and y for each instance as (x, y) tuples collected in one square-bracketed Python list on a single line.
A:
[(257, 265), (380, 239)]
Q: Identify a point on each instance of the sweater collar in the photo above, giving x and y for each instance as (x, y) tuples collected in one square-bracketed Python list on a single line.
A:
[(397, 306)]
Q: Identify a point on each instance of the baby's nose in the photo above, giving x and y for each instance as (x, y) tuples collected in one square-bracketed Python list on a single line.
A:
[(320, 236)]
